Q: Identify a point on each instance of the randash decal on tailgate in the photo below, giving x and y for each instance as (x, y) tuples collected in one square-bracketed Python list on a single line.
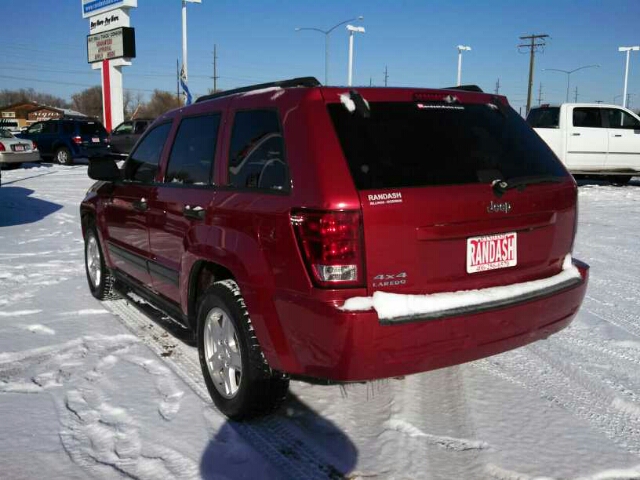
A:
[(385, 198)]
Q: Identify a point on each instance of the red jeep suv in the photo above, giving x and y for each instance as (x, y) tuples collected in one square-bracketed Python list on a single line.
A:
[(338, 234)]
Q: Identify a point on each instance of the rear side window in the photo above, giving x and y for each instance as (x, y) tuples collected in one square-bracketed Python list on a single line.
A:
[(192, 154), (142, 164), (68, 128), (621, 119), (587, 117), (140, 127), (92, 128), (50, 127), (544, 117), (414, 144), (256, 156)]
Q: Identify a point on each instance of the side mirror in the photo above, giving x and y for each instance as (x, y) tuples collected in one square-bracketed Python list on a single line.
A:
[(106, 169)]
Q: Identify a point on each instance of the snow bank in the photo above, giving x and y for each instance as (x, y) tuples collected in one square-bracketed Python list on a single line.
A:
[(393, 305)]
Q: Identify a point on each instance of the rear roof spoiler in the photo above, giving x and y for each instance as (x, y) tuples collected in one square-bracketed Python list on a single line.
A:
[(466, 88), (293, 82)]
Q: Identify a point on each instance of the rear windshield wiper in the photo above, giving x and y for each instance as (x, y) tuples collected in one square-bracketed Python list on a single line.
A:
[(500, 186)]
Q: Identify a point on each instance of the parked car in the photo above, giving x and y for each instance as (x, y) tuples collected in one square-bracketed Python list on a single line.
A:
[(591, 139), (68, 139), (338, 235), (124, 136), (15, 151)]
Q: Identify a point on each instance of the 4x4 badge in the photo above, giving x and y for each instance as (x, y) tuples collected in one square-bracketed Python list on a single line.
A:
[(502, 207)]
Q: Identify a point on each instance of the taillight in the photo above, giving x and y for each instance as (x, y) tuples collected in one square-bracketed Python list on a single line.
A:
[(35, 145), (2, 149), (332, 246), (77, 140)]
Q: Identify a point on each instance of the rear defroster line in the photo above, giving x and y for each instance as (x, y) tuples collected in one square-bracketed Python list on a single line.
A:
[(272, 436)]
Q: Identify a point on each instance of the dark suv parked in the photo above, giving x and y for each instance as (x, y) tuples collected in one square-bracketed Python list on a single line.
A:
[(124, 136), (68, 139), (335, 234)]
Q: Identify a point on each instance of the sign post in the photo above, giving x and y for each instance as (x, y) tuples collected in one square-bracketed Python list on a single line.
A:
[(110, 46)]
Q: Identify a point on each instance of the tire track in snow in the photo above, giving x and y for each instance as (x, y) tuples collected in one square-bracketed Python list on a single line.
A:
[(540, 370), (274, 436)]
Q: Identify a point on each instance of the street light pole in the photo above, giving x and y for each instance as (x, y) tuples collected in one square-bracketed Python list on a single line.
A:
[(626, 71), (569, 72), (461, 48), (352, 30), (326, 42), (184, 39)]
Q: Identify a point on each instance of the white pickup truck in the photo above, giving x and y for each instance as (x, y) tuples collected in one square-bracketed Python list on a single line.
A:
[(591, 138)]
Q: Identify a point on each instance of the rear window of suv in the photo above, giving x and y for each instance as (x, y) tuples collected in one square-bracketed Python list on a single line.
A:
[(411, 144), (544, 117), (92, 128)]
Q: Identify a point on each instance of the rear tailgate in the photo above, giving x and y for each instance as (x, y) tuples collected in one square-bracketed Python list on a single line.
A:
[(432, 221)]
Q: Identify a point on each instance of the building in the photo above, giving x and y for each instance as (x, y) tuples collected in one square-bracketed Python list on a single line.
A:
[(23, 114)]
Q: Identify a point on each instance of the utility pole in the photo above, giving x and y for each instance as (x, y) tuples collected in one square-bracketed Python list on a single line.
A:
[(575, 98), (532, 46), (370, 81), (540, 94), (215, 68), (497, 91), (386, 75)]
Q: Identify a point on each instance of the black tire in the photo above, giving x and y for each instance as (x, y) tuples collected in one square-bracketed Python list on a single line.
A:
[(620, 180), (103, 287), (259, 390), (63, 156)]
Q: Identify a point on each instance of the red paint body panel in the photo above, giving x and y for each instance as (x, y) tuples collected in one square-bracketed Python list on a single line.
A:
[(298, 325)]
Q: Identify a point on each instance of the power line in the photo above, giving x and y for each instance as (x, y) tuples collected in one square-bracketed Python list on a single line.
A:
[(532, 46)]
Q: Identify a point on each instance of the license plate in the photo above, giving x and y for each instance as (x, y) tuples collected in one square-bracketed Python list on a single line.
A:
[(491, 252), (19, 148), (95, 140)]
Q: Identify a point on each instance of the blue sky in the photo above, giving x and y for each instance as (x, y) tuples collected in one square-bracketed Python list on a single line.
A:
[(44, 47)]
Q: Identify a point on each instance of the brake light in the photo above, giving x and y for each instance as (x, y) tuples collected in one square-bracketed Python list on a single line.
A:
[(2, 149), (77, 140), (331, 244), (35, 145)]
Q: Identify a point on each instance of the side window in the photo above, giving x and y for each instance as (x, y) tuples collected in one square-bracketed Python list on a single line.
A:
[(50, 127), (193, 151), (68, 128), (256, 156), (142, 164), (124, 128), (587, 117), (35, 128), (621, 119), (140, 127)]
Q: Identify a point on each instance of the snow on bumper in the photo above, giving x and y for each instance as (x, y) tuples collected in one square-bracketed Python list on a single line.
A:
[(395, 308)]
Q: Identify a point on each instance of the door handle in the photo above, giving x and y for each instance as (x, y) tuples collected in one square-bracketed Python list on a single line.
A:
[(195, 212), (575, 134), (617, 135), (141, 205)]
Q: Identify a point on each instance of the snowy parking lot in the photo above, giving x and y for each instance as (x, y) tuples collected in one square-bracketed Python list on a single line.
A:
[(114, 389)]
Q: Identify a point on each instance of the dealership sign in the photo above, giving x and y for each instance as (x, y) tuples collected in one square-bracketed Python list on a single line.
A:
[(95, 7), (116, 43), (109, 21)]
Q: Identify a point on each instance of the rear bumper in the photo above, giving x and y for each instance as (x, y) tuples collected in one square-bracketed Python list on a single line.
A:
[(331, 344), (12, 157)]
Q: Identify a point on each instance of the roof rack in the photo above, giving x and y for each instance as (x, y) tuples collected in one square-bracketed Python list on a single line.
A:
[(293, 82), (466, 88)]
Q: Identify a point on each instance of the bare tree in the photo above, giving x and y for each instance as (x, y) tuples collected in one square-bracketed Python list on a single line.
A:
[(89, 101), (159, 103), (133, 101), (9, 97)]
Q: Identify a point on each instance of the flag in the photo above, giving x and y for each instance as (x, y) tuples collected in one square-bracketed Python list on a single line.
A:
[(185, 88)]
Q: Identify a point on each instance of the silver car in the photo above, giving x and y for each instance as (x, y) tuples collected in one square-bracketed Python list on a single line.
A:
[(14, 151)]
